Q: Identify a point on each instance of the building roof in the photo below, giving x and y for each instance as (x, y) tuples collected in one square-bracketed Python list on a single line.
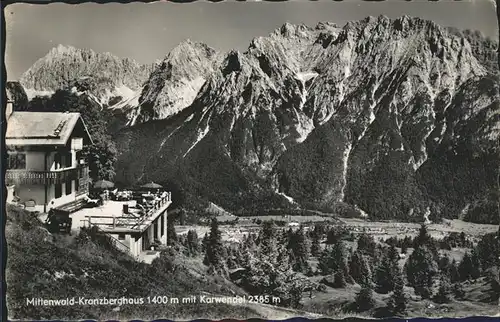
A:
[(41, 128)]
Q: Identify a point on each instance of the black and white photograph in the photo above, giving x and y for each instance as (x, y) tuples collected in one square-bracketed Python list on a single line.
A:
[(237, 160)]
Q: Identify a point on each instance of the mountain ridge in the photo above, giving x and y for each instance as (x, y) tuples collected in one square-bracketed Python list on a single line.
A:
[(104, 75), (374, 91)]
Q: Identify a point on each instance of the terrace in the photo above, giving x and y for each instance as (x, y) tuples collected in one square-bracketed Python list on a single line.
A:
[(136, 222), (117, 217)]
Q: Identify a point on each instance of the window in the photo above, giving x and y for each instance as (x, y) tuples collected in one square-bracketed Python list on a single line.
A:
[(121, 236), (17, 161), (68, 186), (57, 160), (68, 160), (58, 190)]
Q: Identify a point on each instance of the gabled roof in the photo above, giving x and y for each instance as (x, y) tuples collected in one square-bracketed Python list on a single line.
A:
[(41, 128)]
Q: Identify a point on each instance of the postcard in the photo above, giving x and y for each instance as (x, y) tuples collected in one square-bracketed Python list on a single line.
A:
[(237, 160)]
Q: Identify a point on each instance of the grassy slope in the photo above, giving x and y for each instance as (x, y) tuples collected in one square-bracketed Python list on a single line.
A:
[(53, 267), (337, 302)]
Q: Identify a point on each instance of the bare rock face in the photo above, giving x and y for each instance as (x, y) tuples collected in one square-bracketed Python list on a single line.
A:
[(103, 75), (484, 49), (391, 116), (175, 82)]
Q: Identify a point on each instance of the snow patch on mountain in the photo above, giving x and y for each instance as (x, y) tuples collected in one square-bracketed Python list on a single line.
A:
[(345, 166), (200, 137), (306, 76), (290, 199)]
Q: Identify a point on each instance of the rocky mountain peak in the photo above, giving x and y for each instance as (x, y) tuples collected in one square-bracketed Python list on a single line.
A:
[(175, 81), (289, 30), (63, 66), (325, 25), (62, 49), (190, 49)]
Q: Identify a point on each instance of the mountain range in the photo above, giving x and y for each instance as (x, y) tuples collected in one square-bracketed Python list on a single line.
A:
[(388, 117)]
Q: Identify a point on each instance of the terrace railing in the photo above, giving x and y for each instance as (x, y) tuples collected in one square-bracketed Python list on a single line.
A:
[(157, 206), (131, 222), (116, 243)]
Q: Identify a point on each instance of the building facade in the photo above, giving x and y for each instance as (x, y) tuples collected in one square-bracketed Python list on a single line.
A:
[(45, 165)]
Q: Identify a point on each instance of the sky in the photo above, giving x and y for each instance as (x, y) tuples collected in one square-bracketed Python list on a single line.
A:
[(146, 32)]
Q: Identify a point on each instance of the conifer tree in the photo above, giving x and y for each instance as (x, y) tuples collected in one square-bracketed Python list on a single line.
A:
[(204, 243), (425, 239), (398, 301), (214, 255), (315, 246), (339, 279), (283, 260), (407, 242), (332, 236), (476, 263), (444, 292), (192, 243), (366, 244), (334, 258), (268, 242), (458, 291), (300, 248), (466, 268), (231, 258), (289, 237), (421, 268), (171, 234), (364, 298), (359, 268), (318, 231), (326, 261), (453, 271), (386, 271)]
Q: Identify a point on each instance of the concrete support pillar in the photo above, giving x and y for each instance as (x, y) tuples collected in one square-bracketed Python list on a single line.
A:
[(138, 246), (151, 234), (165, 220), (158, 228)]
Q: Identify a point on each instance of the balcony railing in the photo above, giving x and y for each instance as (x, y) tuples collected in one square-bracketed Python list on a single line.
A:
[(135, 222), (45, 177)]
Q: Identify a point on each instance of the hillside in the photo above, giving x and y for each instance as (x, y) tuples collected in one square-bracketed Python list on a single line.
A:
[(388, 115), (64, 267)]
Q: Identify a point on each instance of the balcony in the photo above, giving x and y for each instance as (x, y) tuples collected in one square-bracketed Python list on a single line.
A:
[(45, 177)]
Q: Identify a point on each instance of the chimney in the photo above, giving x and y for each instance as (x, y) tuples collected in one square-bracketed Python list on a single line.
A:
[(9, 109)]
